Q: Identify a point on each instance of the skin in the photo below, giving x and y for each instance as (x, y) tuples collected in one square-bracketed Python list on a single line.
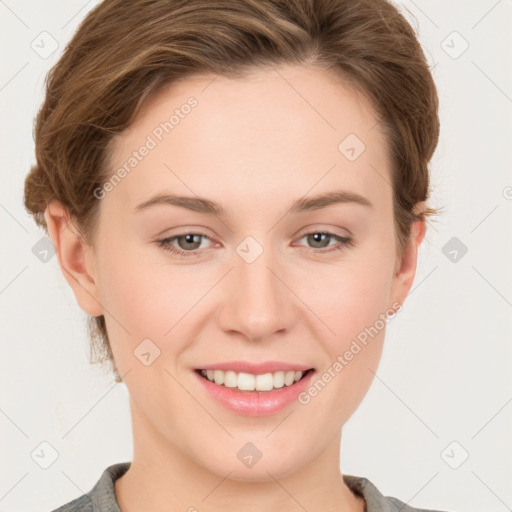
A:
[(295, 302)]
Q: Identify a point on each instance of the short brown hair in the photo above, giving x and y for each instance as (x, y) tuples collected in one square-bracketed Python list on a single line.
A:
[(124, 51)]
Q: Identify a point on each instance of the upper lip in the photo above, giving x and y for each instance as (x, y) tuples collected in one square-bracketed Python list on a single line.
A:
[(255, 368)]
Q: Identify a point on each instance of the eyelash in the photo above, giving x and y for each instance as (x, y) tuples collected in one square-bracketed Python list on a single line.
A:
[(165, 243)]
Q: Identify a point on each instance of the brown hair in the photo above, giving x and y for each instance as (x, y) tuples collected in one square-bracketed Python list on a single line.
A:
[(125, 51)]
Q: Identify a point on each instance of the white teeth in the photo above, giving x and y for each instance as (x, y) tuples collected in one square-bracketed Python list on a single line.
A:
[(278, 379), (264, 382), (250, 382), (289, 377), (218, 376), (230, 379)]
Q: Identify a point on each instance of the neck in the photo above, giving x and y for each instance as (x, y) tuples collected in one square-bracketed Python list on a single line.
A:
[(162, 477)]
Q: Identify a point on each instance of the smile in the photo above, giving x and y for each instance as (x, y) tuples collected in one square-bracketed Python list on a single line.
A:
[(250, 382)]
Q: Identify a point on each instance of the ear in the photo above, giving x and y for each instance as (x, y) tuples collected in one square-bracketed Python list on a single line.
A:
[(74, 257), (405, 269)]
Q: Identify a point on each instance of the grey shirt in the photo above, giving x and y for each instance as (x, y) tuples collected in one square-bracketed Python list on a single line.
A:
[(102, 497)]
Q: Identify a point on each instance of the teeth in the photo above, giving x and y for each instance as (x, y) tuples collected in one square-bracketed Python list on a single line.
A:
[(250, 382)]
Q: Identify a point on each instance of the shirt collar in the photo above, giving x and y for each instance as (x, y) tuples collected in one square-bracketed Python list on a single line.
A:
[(104, 499)]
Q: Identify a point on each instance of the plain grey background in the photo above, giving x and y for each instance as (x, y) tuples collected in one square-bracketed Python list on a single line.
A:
[(435, 427)]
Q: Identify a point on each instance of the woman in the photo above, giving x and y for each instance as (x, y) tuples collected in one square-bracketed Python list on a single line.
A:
[(236, 191)]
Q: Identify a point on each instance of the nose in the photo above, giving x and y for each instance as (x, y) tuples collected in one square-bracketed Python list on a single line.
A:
[(257, 302)]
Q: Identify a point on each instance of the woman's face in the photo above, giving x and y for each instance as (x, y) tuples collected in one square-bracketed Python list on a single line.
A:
[(259, 282)]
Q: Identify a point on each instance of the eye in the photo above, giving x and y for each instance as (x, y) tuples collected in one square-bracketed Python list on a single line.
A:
[(318, 238), (185, 240), (189, 243)]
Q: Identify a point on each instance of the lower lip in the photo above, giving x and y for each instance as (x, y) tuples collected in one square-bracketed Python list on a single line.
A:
[(256, 403)]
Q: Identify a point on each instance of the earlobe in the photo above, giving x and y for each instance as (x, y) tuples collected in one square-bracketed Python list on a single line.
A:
[(72, 256)]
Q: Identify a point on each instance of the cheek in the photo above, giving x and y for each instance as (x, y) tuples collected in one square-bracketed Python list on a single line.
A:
[(356, 297), (144, 300), (131, 292), (354, 308)]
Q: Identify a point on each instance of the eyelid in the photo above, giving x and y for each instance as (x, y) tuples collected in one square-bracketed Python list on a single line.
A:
[(342, 242), (166, 243), (316, 227)]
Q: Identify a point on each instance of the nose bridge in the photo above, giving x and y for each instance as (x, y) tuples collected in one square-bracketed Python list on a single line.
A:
[(257, 303)]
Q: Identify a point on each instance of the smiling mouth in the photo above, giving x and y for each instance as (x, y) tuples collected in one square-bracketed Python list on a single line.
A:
[(247, 382)]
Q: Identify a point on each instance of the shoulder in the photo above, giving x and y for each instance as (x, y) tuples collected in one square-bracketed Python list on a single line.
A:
[(102, 496), (375, 500), (81, 504), (398, 505)]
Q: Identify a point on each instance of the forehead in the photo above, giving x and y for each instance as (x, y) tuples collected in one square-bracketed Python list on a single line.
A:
[(296, 125)]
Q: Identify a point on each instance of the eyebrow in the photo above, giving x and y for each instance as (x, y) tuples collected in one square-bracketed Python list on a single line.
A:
[(304, 204)]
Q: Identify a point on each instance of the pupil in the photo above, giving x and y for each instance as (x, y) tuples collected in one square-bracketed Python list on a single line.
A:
[(317, 237), (189, 239)]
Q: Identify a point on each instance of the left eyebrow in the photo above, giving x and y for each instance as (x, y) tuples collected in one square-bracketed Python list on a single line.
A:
[(327, 199), (202, 205)]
